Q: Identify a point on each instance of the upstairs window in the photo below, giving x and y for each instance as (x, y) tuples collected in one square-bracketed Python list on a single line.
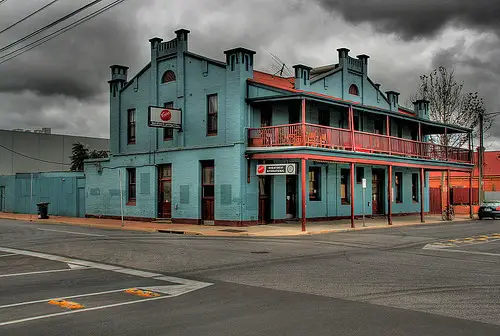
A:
[(212, 112), (353, 89), (168, 133), (168, 76), (131, 126)]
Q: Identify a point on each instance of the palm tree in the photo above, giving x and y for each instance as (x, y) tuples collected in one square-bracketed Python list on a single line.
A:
[(80, 153)]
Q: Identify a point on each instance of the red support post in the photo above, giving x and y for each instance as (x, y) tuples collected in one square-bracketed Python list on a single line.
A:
[(471, 210), (304, 188), (303, 121), (448, 184), (389, 196), (351, 127), (352, 194), (422, 177)]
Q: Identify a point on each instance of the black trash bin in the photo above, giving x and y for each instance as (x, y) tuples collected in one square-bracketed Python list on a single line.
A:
[(43, 210)]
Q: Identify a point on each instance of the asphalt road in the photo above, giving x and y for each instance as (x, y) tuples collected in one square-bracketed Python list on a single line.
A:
[(425, 280)]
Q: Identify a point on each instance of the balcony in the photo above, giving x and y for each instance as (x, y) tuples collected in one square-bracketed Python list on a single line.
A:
[(344, 139)]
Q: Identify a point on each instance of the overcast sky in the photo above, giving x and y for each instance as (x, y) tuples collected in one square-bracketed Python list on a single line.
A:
[(62, 84)]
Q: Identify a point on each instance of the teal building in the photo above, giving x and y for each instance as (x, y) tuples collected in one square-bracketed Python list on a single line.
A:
[(254, 148)]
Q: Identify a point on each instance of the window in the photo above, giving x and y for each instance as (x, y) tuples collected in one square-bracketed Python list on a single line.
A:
[(131, 126), (314, 183), (324, 117), (414, 187), (398, 181), (168, 76), (356, 123), (344, 186), (207, 179), (168, 133), (400, 131), (293, 116), (131, 185), (353, 89), (213, 109), (378, 126), (266, 116), (360, 174)]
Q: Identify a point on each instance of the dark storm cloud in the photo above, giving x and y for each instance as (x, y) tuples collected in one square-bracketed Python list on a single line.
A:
[(418, 18), (75, 64)]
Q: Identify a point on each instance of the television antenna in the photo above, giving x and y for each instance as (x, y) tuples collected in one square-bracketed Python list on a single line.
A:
[(278, 67)]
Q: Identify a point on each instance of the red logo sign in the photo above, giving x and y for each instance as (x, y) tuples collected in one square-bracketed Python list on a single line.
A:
[(261, 169), (166, 115)]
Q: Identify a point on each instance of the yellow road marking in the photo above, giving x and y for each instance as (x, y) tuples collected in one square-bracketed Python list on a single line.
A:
[(140, 292), (482, 239), (468, 238), (452, 240), (66, 304)]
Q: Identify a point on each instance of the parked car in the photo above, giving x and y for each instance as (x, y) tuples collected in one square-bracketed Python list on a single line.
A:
[(489, 209)]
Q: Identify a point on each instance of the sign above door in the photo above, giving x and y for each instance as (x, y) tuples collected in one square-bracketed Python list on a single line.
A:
[(277, 169)]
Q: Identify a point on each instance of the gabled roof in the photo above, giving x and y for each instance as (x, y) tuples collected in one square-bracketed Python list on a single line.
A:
[(323, 71)]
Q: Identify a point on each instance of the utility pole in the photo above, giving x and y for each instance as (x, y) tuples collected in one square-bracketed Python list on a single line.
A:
[(480, 159)]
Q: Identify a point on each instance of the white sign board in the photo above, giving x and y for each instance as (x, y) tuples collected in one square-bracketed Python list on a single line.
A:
[(277, 169), (363, 181), (164, 117)]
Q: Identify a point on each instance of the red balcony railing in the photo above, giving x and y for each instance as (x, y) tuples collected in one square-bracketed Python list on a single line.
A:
[(338, 138)]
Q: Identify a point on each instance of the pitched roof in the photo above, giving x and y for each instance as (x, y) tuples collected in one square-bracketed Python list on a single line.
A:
[(274, 81)]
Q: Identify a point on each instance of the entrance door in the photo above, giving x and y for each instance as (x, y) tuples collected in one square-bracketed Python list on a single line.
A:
[(377, 188), (264, 199), (291, 196), (208, 192), (165, 191), (2, 199)]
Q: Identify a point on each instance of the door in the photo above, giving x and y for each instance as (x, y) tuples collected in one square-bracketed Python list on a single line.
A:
[(207, 192), (291, 196), (2, 199), (435, 197), (264, 199), (377, 188), (165, 191)]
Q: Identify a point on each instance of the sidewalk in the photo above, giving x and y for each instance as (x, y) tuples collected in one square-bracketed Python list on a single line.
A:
[(271, 230)]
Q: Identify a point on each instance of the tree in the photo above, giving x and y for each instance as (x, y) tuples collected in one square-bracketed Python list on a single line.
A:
[(449, 104), (81, 153)]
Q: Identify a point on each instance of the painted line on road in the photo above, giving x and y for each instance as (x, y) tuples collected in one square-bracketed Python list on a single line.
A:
[(7, 255), (72, 232), (61, 297), (80, 311), (437, 248), (42, 272)]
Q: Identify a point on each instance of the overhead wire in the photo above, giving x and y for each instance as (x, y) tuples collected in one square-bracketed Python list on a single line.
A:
[(50, 25), (2, 1), (27, 17), (34, 158), (62, 30)]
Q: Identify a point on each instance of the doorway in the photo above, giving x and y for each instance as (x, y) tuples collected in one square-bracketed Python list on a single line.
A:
[(165, 191), (2, 199), (291, 196), (377, 191), (264, 199), (207, 192)]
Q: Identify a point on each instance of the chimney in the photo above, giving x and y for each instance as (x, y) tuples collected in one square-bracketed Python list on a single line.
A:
[(364, 61), (421, 107), (119, 73), (343, 54), (302, 76), (182, 39), (393, 98)]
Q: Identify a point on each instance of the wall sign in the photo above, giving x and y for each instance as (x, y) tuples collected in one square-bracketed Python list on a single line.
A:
[(277, 169), (164, 117)]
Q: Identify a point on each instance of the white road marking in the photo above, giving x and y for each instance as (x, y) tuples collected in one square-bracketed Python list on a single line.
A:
[(61, 297), (80, 311), (76, 233), (438, 248), (39, 272), (7, 255), (74, 266)]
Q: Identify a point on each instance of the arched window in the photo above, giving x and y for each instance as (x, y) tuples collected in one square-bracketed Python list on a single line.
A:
[(168, 76), (353, 89)]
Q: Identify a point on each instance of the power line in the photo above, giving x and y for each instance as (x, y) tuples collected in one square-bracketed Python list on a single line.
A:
[(50, 25), (27, 17), (2, 1), (49, 37), (33, 158)]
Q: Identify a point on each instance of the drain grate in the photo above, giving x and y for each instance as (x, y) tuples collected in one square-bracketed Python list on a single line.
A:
[(233, 230)]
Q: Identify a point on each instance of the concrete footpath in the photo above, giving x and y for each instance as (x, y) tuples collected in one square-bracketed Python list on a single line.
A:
[(270, 230)]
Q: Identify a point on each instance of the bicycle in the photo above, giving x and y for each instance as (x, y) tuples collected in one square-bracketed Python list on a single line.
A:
[(448, 213)]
